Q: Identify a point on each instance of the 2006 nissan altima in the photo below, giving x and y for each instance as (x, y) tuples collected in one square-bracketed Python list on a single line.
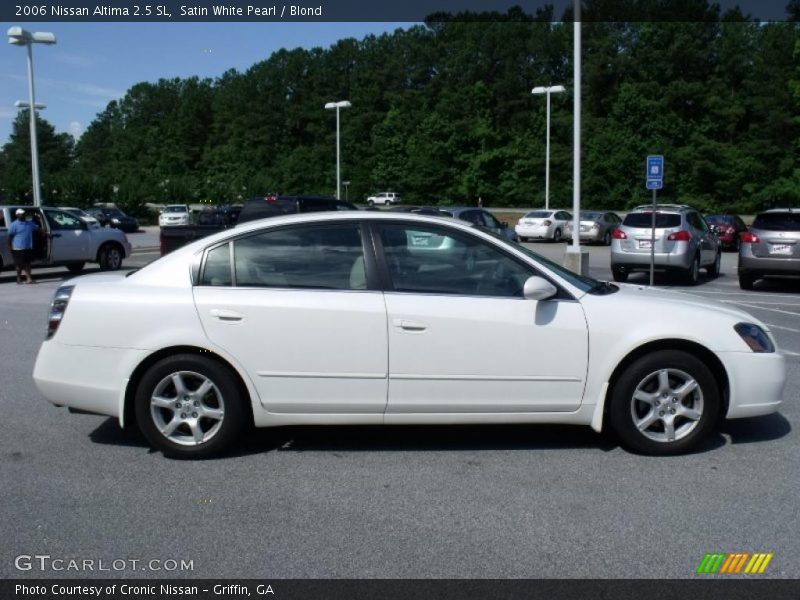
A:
[(392, 318)]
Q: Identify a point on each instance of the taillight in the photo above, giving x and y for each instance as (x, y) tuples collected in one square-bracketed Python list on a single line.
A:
[(730, 230), (619, 235), (57, 309), (547, 222), (680, 236), (748, 237)]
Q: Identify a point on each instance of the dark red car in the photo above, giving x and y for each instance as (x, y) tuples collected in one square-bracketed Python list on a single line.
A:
[(728, 229)]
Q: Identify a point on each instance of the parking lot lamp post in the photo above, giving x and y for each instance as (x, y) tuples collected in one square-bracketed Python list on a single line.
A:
[(21, 37), (547, 90), (337, 106)]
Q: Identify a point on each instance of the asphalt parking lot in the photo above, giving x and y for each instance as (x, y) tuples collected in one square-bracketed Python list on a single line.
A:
[(421, 502)]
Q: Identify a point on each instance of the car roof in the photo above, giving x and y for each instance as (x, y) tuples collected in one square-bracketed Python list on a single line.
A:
[(782, 210), (663, 207)]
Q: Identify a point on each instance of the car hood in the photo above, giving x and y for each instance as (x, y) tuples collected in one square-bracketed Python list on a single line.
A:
[(669, 300)]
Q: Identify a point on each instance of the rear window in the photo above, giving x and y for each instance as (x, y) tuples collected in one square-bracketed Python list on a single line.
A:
[(538, 214), (645, 219), (719, 220), (778, 221)]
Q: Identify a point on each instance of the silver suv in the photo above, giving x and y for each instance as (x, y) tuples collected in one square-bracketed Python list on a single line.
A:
[(770, 247), (684, 243)]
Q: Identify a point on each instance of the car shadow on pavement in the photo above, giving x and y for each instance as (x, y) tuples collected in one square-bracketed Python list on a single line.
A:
[(757, 429), (777, 285), (672, 280), (446, 438)]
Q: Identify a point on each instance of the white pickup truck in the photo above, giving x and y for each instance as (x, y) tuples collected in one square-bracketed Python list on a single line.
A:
[(65, 240)]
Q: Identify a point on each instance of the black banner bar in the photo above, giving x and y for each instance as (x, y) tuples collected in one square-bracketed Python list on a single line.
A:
[(708, 588), (373, 10)]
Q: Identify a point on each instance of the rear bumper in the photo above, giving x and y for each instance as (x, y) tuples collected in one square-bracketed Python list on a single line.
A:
[(637, 261), (752, 265), (535, 231), (85, 378), (586, 236), (756, 382)]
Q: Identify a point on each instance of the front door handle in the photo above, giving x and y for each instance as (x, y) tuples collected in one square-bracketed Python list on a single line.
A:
[(408, 325), (226, 315)]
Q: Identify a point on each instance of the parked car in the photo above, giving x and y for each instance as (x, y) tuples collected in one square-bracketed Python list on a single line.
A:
[(65, 240), (771, 247), (543, 225), (728, 229), (114, 217), (386, 318), (227, 215), (385, 198), (482, 218), (684, 243), (81, 214), (174, 214), (258, 207), (596, 226)]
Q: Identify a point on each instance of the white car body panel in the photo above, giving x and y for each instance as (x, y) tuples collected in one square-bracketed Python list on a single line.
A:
[(443, 360), (310, 370), (339, 354)]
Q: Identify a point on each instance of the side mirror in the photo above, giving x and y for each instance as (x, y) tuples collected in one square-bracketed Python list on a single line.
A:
[(538, 288)]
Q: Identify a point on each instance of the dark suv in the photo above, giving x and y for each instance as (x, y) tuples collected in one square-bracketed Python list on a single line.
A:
[(273, 206), (770, 247)]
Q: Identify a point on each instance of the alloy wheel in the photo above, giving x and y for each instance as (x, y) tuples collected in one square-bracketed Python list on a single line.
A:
[(667, 405)]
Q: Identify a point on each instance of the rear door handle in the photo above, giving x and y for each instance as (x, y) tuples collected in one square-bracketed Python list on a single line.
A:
[(407, 325), (226, 315)]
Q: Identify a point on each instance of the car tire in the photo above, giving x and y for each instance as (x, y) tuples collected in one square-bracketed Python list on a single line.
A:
[(692, 276), (619, 275), (607, 239), (371, 202), (664, 403), (109, 257), (714, 268), (557, 235), (76, 267), (746, 281), (189, 382)]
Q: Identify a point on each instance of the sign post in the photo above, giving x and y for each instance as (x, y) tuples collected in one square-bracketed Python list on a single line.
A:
[(655, 181)]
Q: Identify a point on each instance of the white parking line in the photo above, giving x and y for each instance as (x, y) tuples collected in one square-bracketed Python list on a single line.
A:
[(773, 326), (777, 310), (748, 294), (790, 353)]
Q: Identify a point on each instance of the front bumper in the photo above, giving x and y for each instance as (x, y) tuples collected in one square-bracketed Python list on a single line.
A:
[(756, 382)]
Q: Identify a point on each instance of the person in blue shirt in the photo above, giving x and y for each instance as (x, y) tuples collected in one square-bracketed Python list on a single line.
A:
[(20, 242)]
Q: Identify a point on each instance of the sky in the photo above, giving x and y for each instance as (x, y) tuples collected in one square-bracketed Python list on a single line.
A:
[(94, 63)]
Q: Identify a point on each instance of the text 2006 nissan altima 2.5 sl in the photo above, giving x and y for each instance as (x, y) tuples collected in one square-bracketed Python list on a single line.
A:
[(391, 318)]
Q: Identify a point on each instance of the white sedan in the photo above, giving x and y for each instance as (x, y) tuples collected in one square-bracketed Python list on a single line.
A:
[(395, 318), (543, 225)]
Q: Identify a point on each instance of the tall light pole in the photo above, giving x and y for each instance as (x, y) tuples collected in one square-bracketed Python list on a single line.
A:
[(21, 37), (553, 89), (337, 106)]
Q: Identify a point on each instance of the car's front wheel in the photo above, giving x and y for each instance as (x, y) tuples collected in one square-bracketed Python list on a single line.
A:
[(664, 403), (189, 406), (715, 267), (110, 257)]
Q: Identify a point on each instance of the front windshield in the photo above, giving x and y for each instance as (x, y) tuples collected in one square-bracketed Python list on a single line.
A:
[(178, 208), (114, 212)]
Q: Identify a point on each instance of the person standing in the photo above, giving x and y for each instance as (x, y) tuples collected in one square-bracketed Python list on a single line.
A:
[(20, 242)]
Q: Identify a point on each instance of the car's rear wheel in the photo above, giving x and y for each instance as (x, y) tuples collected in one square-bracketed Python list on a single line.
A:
[(76, 267), (189, 406), (607, 239), (693, 274), (110, 257), (664, 403), (715, 267), (371, 202), (746, 281), (557, 235), (619, 274)]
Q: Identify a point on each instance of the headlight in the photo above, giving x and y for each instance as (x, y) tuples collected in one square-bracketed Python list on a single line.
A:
[(755, 337), (115, 221)]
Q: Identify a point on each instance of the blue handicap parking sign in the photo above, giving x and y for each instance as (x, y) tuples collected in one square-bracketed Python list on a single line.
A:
[(655, 172)]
